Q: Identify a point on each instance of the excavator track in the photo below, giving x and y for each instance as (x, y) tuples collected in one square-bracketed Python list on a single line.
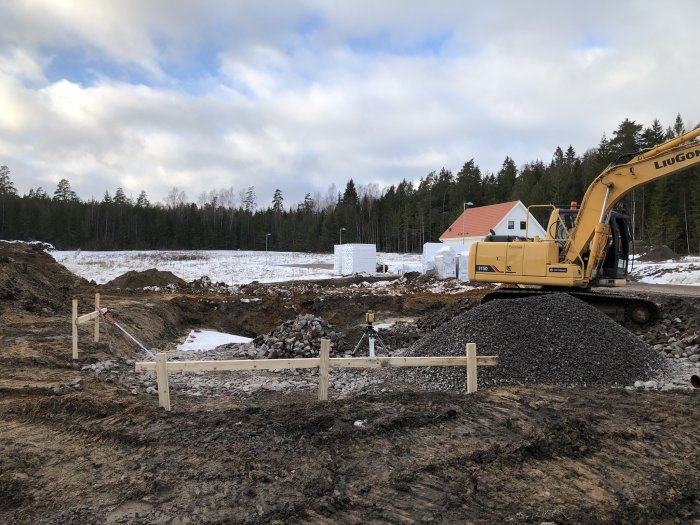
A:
[(625, 310)]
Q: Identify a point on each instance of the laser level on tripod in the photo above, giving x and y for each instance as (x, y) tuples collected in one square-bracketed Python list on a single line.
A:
[(371, 333)]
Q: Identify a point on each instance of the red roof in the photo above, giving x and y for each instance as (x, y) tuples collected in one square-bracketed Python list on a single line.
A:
[(479, 221)]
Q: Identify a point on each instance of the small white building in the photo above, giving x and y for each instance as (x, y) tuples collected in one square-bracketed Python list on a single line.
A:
[(355, 258), (507, 218)]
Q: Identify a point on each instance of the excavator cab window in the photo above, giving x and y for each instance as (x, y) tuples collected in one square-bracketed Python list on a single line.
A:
[(564, 224)]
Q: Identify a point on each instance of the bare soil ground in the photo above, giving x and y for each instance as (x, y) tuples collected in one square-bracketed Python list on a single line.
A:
[(81, 448)]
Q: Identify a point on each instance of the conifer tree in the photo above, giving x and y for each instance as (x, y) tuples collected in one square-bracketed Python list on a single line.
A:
[(64, 193), (6, 185), (142, 200), (277, 200)]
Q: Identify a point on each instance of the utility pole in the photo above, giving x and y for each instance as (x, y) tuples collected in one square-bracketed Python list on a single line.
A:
[(464, 219)]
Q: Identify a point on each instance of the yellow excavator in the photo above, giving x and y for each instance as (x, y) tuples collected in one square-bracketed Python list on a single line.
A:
[(587, 245)]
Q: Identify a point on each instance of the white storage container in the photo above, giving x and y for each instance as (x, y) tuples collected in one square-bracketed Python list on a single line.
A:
[(445, 263), (428, 256), (463, 266), (349, 259)]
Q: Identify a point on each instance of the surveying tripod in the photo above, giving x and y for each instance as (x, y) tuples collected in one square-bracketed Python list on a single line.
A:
[(371, 333)]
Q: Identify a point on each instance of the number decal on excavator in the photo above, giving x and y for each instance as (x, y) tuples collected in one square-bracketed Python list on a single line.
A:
[(487, 268)]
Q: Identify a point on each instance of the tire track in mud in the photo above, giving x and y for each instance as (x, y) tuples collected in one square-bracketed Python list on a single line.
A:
[(518, 454), (559, 462)]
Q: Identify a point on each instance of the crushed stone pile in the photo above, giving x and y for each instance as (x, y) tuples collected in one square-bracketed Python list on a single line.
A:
[(554, 339), (300, 337), (432, 320), (31, 280), (141, 279)]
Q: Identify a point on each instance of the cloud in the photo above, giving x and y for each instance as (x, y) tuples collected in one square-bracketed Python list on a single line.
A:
[(301, 95)]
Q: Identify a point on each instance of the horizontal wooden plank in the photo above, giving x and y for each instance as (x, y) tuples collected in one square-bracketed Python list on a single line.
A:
[(89, 317), (379, 362), (313, 362), (235, 364)]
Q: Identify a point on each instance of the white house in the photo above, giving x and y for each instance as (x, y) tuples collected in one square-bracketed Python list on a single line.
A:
[(507, 218)]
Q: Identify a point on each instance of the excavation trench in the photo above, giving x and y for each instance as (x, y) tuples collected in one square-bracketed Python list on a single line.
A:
[(80, 446)]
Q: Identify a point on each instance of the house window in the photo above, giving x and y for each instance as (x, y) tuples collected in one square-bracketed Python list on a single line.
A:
[(511, 225), (522, 225)]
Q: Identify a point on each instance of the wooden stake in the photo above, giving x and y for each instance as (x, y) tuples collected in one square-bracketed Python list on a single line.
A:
[(323, 366), (74, 325), (471, 368), (97, 319), (162, 379)]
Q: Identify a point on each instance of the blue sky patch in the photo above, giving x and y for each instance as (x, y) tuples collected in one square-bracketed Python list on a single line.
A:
[(594, 42), (86, 66), (384, 42), (309, 24)]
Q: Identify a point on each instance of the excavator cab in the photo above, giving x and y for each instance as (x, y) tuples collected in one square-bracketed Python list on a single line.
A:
[(617, 251), (561, 222)]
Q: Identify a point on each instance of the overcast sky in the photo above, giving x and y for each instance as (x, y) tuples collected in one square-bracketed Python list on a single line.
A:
[(301, 94)]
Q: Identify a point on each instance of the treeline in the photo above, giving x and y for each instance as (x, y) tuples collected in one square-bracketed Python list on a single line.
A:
[(398, 219)]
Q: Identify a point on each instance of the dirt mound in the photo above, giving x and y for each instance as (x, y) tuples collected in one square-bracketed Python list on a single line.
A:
[(150, 277), (33, 281), (658, 254), (554, 339)]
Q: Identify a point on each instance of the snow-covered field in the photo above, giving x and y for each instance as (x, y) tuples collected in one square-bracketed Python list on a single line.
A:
[(230, 267), (686, 271), (242, 267)]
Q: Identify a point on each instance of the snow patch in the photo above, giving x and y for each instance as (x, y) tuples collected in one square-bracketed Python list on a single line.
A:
[(203, 340)]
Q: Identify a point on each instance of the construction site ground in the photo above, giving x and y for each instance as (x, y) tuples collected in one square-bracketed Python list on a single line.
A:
[(82, 442)]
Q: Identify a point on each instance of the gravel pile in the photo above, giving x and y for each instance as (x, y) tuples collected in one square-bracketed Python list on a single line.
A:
[(300, 337), (432, 320), (554, 339)]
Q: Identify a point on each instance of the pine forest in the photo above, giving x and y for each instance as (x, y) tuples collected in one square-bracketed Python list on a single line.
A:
[(399, 218)]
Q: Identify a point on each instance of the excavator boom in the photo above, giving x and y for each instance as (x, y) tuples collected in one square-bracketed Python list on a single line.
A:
[(590, 232)]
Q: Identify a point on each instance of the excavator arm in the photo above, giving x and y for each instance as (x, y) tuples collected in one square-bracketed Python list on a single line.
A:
[(591, 230)]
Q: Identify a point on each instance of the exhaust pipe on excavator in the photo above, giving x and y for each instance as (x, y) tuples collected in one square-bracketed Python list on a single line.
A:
[(695, 380)]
